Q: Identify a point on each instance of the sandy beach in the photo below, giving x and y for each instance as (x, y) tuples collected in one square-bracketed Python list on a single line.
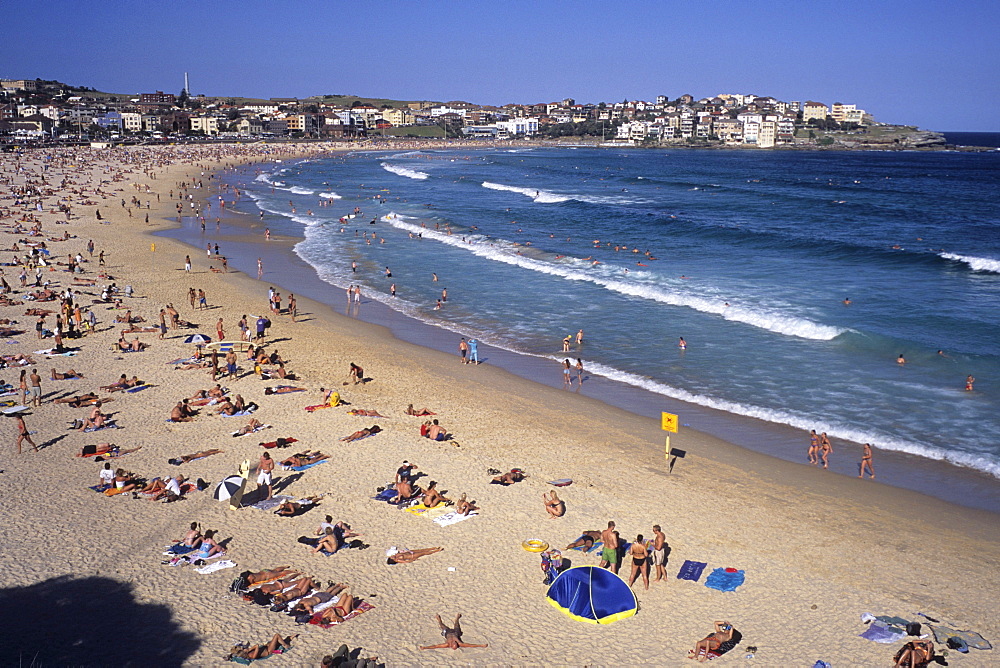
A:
[(84, 571)]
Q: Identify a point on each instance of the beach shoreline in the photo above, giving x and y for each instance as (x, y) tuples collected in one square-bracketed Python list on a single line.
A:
[(939, 479), (818, 550)]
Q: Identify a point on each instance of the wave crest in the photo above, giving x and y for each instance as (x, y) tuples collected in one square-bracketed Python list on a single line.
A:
[(975, 263), (404, 171)]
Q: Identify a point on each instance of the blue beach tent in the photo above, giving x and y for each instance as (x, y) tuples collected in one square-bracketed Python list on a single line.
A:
[(593, 595)]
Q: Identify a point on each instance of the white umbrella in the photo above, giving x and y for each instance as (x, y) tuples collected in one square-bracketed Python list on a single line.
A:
[(199, 339), (228, 487)]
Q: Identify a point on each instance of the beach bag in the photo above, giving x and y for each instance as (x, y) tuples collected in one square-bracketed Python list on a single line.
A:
[(238, 585), (913, 629), (260, 598)]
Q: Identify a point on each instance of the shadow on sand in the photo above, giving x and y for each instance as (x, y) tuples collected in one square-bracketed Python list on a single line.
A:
[(90, 621)]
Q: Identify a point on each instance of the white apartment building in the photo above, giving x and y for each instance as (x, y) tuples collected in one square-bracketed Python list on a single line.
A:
[(519, 126), (131, 122)]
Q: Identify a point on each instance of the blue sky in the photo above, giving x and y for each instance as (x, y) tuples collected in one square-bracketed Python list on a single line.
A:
[(923, 62)]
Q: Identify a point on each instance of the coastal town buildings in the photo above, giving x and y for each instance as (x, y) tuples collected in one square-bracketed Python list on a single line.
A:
[(731, 119)]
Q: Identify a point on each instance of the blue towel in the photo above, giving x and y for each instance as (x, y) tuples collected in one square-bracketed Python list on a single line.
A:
[(307, 466), (138, 388), (691, 570), (179, 549), (882, 633), (385, 495), (725, 581), (100, 488)]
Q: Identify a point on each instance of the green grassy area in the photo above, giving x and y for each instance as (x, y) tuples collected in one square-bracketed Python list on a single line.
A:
[(411, 131), (348, 100)]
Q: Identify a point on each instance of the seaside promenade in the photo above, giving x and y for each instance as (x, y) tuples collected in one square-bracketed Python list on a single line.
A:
[(86, 572)]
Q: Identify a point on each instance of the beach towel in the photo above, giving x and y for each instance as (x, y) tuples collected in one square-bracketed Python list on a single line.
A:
[(691, 570), (280, 443), (243, 413), (138, 388), (305, 466), (363, 607), (317, 407), (583, 548), (177, 549), (217, 566), (971, 638), (452, 517), (725, 579), (386, 495), (259, 427), (421, 510), (100, 488), (110, 424), (881, 632), (269, 504)]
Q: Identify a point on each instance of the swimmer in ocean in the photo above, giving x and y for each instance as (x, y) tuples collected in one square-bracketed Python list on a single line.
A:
[(682, 344), (900, 359)]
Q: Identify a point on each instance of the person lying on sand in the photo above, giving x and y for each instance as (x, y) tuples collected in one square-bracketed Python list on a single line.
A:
[(253, 425), (452, 637), (69, 374), (586, 540), (712, 642), (422, 412), (123, 383), (374, 429), (914, 654), (109, 449), (268, 574), (346, 604), (509, 478), (464, 507), (184, 459), (81, 400), (553, 506), (365, 413), (304, 458), (283, 389), (292, 508), (276, 645), (289, 588), (307, 604), (394, 556)]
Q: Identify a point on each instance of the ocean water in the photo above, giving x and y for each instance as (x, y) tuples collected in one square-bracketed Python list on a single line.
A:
[(747, 255)]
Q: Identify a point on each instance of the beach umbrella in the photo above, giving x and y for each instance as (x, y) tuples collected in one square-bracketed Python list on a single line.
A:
[(593, 595), (228, 487), (199, 339)]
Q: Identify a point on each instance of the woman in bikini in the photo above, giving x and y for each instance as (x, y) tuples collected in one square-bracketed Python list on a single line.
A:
[(277, 645), (309, 602), (914, 654), (464, 507), (640, 561), (363, 412), (553, 506), (422, 412), (712, 642), (304, 458), (394, 556), (193, 537), (345, 605), (358, 435)]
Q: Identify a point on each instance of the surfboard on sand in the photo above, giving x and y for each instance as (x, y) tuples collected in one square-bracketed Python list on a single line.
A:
[(562, 482)]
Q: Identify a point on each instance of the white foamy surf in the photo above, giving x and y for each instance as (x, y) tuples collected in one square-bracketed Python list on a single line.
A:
[(404, 171), (975, 263), (609, 278)]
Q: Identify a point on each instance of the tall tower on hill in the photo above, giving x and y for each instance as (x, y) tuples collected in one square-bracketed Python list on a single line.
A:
[(187, 85)]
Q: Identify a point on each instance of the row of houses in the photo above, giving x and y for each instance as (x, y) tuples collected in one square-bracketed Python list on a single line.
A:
[(729, 118)]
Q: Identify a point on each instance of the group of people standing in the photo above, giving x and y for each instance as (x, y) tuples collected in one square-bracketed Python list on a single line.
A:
[(469, 350)]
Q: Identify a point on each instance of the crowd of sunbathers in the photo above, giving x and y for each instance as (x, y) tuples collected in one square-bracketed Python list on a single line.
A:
[(408, 492), (283, 589)]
